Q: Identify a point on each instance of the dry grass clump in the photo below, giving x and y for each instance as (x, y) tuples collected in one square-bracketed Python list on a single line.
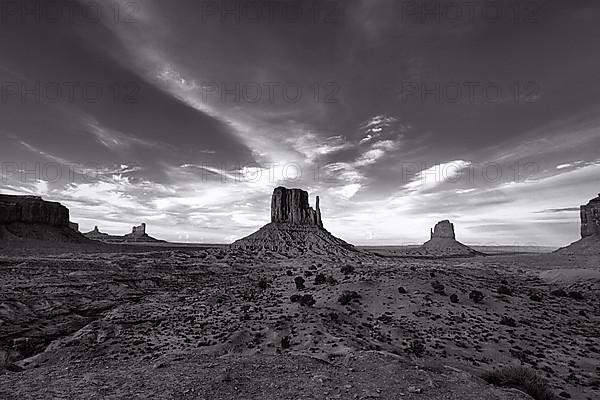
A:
[(522, 378)]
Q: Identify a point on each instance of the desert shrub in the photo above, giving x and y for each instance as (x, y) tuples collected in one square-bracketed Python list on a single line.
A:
[(505, 290), (320, 279), (285, 342), (559, 293), (333, 316), (508, 321), (401, 290), (347, 269), (535, 296), (347, 296), (454, 298), (307, 300), (576, 295), (295, 298), (438, 287), (331, 280), (522, 378), (263, 283), (416, 347), (476, 296), (299, 281)]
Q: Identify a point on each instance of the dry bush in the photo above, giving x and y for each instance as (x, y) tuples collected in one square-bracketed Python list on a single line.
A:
[(522, 378)]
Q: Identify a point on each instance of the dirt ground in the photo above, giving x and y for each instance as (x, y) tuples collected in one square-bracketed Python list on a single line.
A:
[(215, 323)]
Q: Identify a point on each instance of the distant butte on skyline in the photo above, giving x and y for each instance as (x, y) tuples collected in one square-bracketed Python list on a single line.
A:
[(294, 224)]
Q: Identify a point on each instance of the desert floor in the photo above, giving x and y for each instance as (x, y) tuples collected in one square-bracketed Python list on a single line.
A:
[(210, 323)]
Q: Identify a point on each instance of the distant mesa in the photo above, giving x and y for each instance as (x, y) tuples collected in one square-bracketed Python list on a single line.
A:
[(589, 244), (31, 217), (138, 234), (295, 228), (443, 242)]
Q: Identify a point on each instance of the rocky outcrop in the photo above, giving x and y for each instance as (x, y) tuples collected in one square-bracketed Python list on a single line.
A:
[(295, 228), (31, 217), (291, 206)]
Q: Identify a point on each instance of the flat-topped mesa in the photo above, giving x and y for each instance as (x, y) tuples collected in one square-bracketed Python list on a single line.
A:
[(290, 206), (590, 218), (443, 230), (32, 218), (138, 234), (32, 210)]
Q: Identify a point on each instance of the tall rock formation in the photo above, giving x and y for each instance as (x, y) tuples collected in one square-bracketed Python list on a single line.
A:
[(31, 217), (296, 228), (443, 230), (589, 244), (291, 206)]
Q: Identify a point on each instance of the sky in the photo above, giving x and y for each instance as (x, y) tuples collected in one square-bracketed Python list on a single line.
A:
[(398, 114)]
